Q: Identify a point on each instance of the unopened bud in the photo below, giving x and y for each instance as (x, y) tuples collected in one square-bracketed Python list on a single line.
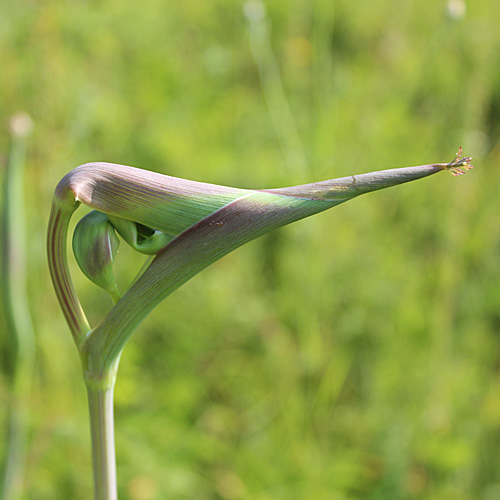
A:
[(139, 237), (95, 245)]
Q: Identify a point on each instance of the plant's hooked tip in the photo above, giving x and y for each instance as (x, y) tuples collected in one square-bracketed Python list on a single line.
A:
[(460, 164)]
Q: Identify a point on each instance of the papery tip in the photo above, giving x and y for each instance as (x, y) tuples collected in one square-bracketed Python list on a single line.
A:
[(460, 164)]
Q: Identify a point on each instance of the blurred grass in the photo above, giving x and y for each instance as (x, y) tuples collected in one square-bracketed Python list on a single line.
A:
[(351, 356)]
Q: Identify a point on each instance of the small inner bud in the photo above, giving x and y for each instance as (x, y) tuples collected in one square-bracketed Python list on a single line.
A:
[(95, 245)]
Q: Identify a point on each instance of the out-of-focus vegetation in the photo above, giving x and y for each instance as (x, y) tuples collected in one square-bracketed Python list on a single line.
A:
[(354, 355)]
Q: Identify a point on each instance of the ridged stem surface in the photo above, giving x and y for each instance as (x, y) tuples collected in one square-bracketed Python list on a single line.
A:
[(103, 442)]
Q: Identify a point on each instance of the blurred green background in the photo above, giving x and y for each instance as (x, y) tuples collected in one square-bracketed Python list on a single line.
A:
[(354, 355)]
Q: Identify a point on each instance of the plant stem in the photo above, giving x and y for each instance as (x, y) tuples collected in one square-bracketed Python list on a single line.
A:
[(103, 442), (16, 443), (20, 351)]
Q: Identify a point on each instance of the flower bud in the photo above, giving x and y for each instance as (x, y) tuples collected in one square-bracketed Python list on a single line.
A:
[(95, 245), (139, 237)]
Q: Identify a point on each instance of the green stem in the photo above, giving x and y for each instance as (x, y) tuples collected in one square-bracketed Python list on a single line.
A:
[(15, 453), (20, 350), (103, 442)]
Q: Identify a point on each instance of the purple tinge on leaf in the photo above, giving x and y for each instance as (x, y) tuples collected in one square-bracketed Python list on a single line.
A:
[(191, 224)]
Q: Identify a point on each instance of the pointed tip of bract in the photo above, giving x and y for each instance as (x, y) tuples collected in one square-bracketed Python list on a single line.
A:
[(345, 188)]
